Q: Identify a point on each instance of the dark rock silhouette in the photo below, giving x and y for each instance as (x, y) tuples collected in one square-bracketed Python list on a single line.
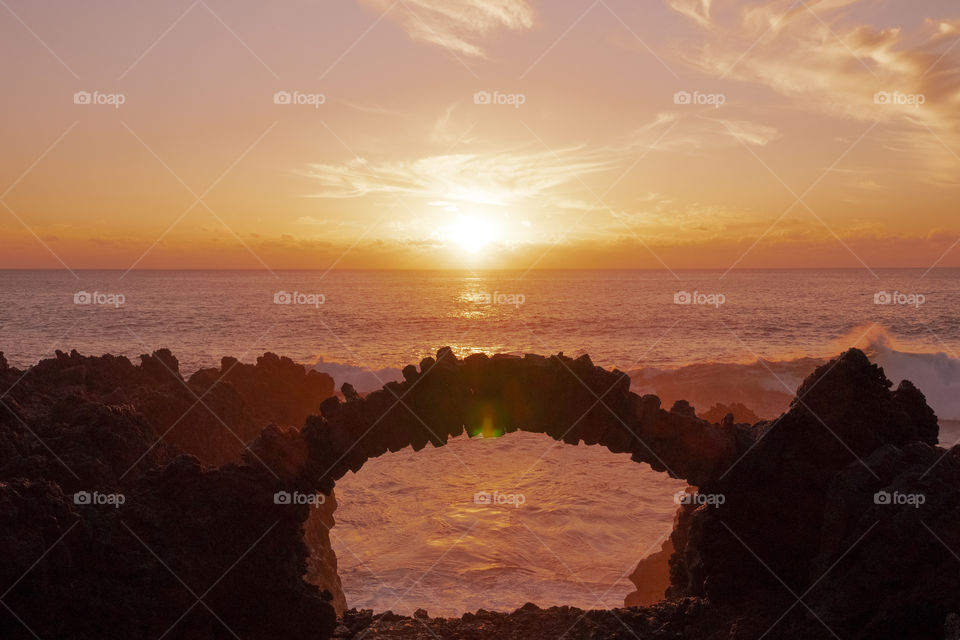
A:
[(105, 428), (570, 400), (801, 497), (213, 415), (802, 544), (276, 389), (843, 412)]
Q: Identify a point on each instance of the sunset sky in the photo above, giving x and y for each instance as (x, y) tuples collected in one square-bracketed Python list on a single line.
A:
[(818, 133)]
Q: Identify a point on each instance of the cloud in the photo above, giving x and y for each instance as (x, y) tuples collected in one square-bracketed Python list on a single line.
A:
[(751, 132), (698, 10), (827, 58), (945, 28), (553, 181), (450, 131), (494, 178), (685, 133), (457, 25)]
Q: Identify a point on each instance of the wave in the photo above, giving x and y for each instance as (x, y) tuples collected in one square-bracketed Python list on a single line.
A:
[(764, 386), (768, 386), (363, 379), (937, 375)]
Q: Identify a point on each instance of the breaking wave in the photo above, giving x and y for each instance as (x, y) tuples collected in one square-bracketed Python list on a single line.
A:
[(764, 386)]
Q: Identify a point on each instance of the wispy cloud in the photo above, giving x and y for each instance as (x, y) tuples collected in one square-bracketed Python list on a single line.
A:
[(698, 10), (555, 177), (696, 134), (493, 178), (827, 58), (458, 25)]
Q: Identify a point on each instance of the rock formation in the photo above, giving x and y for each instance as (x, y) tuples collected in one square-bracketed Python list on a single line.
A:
[(800, 517), (840, 517), (126, 531), (569, 399)]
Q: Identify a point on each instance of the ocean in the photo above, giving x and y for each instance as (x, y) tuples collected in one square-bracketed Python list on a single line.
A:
[(410, 532)]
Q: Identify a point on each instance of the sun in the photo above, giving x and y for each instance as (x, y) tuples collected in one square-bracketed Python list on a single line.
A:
[(472, 233)]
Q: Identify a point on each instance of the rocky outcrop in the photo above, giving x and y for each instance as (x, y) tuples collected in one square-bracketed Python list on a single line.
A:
[(213, 415), (275, 389), (108, 530), (839, 518), (659, 622), (898, 536), (137, 570), (802, 515)]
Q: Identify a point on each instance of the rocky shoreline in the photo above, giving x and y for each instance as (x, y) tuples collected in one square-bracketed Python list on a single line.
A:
[(530, 621), (841, 518)]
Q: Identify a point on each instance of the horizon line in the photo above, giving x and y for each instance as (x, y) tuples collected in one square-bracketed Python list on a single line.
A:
[(485, 269)]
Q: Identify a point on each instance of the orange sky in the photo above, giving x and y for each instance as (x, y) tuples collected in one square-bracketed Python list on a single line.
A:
[(823, 135)]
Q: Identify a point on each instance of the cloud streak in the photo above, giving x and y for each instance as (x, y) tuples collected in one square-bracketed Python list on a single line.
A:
[(457, 25), (496, 178), (555, 177)]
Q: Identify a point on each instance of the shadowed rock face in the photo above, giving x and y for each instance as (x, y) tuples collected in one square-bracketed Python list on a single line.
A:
[(212, 415), (843, 412), (103, 426), (798, 515)]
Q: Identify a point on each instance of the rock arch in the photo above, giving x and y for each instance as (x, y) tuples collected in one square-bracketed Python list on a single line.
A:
[(789, 484), (569, 399)]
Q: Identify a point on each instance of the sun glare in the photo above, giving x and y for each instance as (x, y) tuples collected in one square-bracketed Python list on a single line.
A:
[(471, 233)]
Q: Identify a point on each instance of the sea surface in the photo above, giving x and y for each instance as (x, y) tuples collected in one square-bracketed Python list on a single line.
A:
[(409, 531)]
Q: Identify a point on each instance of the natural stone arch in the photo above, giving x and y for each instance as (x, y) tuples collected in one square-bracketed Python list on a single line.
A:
[(848, 400), (568, 399)]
